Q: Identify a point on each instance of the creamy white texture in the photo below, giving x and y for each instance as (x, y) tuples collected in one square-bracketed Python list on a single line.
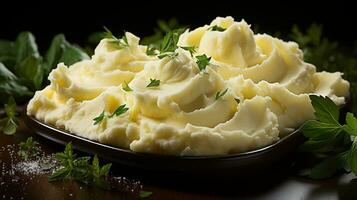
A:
[(182, 116)]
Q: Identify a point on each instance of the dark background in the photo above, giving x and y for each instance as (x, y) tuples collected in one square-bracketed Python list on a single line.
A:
[(78, 19)]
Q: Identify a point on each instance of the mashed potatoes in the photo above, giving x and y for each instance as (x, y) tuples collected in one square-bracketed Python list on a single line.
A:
[(267, 84)]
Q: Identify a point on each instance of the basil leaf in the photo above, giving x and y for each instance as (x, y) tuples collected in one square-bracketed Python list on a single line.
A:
[(62, 51), (25, 46), (30, 72), (11, 86)]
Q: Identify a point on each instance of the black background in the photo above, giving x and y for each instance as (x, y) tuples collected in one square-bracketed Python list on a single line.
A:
[(78, 19)]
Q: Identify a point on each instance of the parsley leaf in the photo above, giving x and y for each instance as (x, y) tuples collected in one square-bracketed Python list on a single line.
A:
[(219, 94), (120, 110), (153, 83), (192, 50), (328, 140), (99, 118), (169, 43), (117, 43), (9, 124), (126, 87), (216, 28), (202, 61)]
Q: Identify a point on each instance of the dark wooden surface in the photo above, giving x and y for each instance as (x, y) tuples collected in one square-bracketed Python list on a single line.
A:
[(279, 183)]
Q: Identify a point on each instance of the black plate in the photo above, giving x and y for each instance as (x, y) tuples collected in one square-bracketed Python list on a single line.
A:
[(239, 164)]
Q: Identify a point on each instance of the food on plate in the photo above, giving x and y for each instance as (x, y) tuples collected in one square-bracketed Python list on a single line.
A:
[(217, 89)]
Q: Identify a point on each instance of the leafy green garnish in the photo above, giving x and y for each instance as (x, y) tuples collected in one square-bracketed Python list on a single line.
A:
[(163, 27), (28, 149), (117, 43), (144, 194), (120, 110), (203, 61), (153, 83), (216, 28), (169, 43), (329, 139), (126, 87), (151, 51), (237, 100), (22, 68), (220, 94), (9, 124), (192, 50), (99, 118), (62, 51), (79, 169)]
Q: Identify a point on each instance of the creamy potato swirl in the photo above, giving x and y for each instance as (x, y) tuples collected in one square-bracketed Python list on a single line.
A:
[(182, 116)]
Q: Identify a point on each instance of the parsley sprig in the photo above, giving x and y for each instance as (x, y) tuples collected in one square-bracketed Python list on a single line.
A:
[(153, 83), (329, 139), (220, 94), (203, 61), (116, 42), (168, 45), (120, 110), (9, 123), (79, 169)]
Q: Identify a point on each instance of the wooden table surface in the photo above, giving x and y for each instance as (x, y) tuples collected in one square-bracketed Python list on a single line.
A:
[(279, 183)]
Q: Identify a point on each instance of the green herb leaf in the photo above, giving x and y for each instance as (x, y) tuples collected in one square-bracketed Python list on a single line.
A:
[(219, 94), (144, 194), (25, 46), (169, 43), (62, 51), (104, 171), (192, 50), (79, 169), (126, 87), (120, 110), (328, 139), (10, 85), (60, 174), (28, 149), (153, 83), (203, 61), (30, 72), (325, 134), (351, 124), (328, 167), (237, 100), (217, 28), (352, 157), (325, 109), (117, 43), (99, 118), (163, 28), (9, 124), (151, 51)]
